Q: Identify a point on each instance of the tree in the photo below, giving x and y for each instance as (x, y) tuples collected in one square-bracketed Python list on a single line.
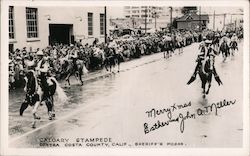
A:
[(186, 10)]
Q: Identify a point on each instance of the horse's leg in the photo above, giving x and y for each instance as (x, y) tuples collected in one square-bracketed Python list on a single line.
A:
[(67, 78), (106, 65), (76, 76), (110, 67), (203, 85), (35, 117), (80, 77), (209, 83), (118, 64), (53, 107), (224, 57), (209, 86), (23, 107), (48, 103)]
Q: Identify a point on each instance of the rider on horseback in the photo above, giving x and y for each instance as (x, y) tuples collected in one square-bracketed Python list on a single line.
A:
[(73, 54), (233, 44), (42, 70), (224, 48), (206, 52)]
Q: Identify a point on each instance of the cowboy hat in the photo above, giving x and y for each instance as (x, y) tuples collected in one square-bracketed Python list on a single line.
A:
[(208, 41), (18, 58), (40, 53)]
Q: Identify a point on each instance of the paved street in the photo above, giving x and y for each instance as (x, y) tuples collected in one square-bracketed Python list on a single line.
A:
[(115, 107)]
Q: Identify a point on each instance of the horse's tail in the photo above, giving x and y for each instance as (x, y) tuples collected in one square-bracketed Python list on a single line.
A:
[(60, 92)]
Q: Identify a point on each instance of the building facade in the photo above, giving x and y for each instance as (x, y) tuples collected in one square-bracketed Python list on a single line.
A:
[(38, 27), (192, 21), (155, 17)]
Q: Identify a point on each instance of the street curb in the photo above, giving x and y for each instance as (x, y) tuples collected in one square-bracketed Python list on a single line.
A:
[(88, 80)]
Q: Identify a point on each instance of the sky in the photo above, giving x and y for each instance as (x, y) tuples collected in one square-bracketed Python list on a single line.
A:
[(117, 12)]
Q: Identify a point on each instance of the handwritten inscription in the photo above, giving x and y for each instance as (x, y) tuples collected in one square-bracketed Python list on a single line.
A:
[(154, 112), (182, 117)]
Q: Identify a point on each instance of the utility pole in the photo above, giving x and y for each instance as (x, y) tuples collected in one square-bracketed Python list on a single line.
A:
[(200, 19), (224, 21), (145, 19), (154, 15), (214, 21), (171, 10), (235, 22), (105, 24)]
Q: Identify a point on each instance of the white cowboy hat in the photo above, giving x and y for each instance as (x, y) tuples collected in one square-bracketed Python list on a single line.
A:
[(208, 41), (18, 58), (40, 53)]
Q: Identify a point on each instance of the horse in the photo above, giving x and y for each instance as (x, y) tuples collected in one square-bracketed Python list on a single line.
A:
[(35, 94), (167, 49), (233, 46), (224, 48), (69, 68), (113, 60), (206, 71)]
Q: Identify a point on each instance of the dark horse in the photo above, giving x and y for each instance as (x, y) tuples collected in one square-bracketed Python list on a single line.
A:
[(233, 46), (206, 71), (72, 67), (113, 59), (36, 93)]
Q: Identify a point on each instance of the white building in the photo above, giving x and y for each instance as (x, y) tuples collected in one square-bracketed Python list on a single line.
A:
[(148, 13), (38, 27)]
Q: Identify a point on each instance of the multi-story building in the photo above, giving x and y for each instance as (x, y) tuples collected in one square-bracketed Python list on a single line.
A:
[(38, 27), (153, 15)]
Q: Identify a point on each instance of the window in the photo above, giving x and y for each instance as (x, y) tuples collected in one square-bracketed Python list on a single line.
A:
[(102, 24), (90, 23), (31, 22), (11, 22)]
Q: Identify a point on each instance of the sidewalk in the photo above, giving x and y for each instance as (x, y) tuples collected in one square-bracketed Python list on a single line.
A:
[(124, 66), (128, 65)]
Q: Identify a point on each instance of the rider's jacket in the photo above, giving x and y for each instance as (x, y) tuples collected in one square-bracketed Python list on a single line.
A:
[(42, 66)]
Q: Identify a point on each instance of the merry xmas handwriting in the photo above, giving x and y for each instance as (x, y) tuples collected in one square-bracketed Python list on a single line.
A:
[(182, 117)]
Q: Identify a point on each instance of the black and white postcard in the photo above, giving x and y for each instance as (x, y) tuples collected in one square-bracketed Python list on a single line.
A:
[(124, 77)]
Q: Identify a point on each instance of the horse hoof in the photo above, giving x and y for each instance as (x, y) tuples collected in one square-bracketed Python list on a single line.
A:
[(38, 118), (33, 126), (50, 118)]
